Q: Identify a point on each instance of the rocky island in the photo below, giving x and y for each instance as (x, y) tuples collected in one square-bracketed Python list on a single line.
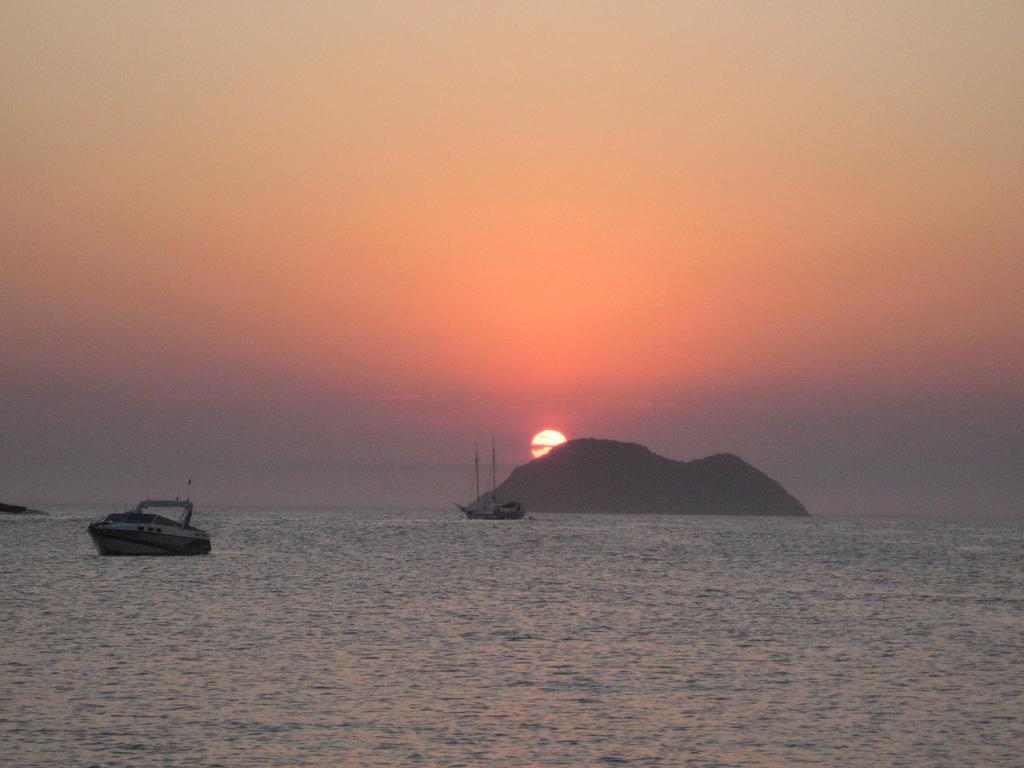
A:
[(591, 475), (17, 509)]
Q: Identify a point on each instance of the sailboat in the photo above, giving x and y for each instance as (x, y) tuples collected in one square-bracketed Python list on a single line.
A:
[(490, 509)]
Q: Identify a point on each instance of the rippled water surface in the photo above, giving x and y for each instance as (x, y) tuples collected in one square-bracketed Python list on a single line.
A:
[(345, 638)]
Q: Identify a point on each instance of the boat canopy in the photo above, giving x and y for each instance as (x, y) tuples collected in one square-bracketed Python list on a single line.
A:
[(138, 515)]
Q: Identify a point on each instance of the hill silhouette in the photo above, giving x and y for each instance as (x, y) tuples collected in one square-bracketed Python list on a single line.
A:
[(592, 475), (17, 509)]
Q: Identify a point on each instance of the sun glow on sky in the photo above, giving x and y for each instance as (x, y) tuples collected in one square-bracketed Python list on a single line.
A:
[(662, 210), (399, 218)]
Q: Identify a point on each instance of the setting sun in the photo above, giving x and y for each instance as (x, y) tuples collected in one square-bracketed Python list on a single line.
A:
[(544, 441)]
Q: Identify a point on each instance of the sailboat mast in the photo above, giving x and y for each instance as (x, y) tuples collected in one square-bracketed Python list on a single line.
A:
[(476, 467), (494, 484)]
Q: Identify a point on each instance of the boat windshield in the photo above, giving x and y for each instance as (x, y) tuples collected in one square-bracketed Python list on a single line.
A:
[(142, 518)]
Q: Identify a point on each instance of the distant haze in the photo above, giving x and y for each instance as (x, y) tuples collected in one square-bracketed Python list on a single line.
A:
[(310, 253)]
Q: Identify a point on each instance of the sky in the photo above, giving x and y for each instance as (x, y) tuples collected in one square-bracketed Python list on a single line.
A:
[(310, 253)]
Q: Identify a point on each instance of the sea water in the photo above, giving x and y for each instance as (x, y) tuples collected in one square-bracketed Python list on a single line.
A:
[(320, 637)]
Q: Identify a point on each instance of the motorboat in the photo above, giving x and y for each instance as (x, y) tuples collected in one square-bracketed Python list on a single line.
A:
[(140, 532), (490, 508)]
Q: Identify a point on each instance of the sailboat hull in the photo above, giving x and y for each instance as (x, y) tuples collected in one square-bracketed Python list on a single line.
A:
[(511, 511)]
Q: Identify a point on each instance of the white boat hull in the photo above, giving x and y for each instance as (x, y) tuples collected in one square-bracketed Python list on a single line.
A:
[(121, 540)]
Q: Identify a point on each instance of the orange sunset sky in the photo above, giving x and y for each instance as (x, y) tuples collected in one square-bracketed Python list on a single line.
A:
[(310, 252)]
